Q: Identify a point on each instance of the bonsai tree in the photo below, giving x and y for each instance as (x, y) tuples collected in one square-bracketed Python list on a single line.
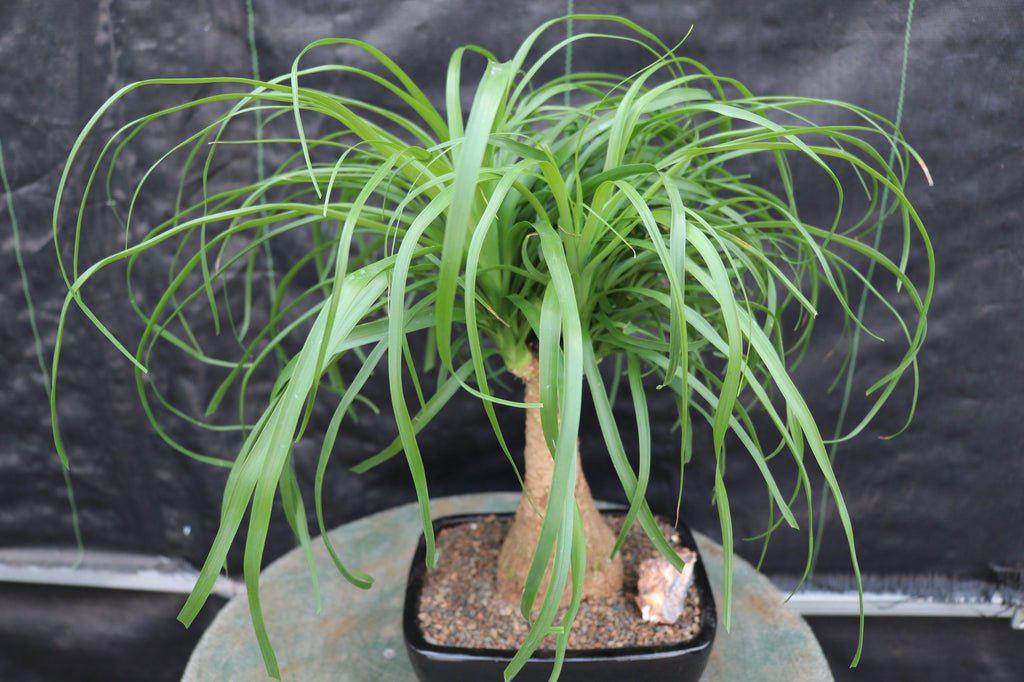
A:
[(585, 229)]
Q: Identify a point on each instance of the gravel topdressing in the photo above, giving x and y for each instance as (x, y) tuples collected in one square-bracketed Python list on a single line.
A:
[(460, 607)]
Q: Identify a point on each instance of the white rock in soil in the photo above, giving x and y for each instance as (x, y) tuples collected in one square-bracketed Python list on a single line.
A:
[(661, 589)]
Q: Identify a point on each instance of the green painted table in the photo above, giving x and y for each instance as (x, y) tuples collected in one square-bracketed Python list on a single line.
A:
[(358, 635)]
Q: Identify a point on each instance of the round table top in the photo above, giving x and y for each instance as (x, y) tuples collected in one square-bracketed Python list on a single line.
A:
[(357, 635)]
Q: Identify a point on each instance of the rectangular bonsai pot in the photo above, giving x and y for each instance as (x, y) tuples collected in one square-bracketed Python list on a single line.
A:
[(677, 662)]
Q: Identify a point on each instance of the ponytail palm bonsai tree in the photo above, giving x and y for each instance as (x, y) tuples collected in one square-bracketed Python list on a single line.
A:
[(569, 231)]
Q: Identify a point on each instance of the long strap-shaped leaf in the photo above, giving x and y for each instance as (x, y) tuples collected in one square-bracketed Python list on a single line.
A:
[(557, 528), (489, 97)]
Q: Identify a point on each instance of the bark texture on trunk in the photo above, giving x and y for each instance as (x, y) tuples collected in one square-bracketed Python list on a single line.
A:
[(604, 575)]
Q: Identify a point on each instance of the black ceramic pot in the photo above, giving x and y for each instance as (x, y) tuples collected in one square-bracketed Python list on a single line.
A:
[(679, 662)]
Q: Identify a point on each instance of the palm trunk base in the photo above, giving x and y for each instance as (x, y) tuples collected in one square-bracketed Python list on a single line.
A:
[(604, 574)]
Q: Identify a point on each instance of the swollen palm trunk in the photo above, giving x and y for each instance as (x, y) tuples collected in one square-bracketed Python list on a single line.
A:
[(604, 574)]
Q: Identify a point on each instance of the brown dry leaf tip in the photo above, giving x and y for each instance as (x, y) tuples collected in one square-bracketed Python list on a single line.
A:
[(661, 589), (927, 174)]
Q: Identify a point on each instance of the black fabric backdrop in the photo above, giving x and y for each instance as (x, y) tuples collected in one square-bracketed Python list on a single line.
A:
[(943, 497)]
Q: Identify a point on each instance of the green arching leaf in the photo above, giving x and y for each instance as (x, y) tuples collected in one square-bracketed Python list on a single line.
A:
[(396, 336), (490, 94), (549, 356), (679, 350), (357, 578), (720, 289), (555, 542), (295, 513), (618, 456), (643, 428)]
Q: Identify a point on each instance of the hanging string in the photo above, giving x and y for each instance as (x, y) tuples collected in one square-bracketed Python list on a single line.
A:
[(570, 7), (260, 170)]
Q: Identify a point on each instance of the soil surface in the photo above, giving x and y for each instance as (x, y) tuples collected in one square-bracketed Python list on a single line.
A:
[(460, 607)]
